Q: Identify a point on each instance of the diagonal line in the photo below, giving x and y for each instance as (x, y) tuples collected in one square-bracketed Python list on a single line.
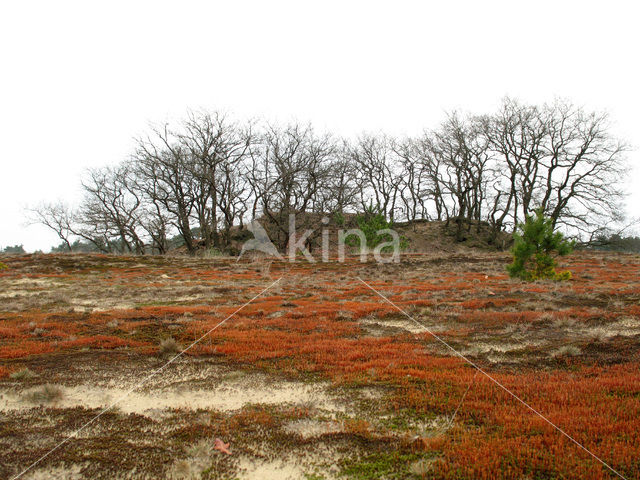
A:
[(470, 362), (450, 422), (141, 383), (453, 417)]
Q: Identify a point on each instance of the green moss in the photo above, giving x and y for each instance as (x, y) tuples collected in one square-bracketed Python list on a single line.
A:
[(379, 465), (396, 422), (313, 476)]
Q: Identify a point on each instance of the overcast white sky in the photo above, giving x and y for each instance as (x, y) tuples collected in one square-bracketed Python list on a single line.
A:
[(78, 80)]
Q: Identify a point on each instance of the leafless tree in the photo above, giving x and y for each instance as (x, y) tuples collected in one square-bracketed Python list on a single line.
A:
[(232, 195), (556, 157), (203, 176), (291, 167), (58, 217), (340, 189), (110, 214), (377, 172), (217, 149), (422, 173), (165, 174), (458, 159), (583, 166), (515, 135)]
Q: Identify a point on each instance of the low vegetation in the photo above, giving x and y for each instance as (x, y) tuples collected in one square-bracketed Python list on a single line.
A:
[(169, 346), (319, 377), (46, 394), (24, 374)]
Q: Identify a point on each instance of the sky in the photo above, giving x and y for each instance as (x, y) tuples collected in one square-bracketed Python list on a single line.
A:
[(80, 80)]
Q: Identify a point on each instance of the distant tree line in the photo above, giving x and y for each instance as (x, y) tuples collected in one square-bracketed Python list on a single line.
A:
[(616, 243), (209, 174), (15, 249)]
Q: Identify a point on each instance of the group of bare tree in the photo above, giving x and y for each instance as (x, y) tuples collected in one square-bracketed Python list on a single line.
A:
[(210, 174)]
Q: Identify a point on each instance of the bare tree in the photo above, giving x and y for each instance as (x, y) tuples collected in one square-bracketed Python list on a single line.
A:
[(111, 211), (217, 149), (583, 165), (423, 168), (377, 172), (291, 167), (208, 174), (340, 189), (459, 159), (164, 172), (58, 217), (233, 195), (515, 136), (557, 157)]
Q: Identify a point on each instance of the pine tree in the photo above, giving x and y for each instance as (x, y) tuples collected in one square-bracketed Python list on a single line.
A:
[(535, 250)]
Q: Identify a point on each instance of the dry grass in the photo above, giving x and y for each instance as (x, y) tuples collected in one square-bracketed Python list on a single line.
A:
[(567, 350), (169, 346), (199, 456), (24, 374), (38, 332), (46, 394), (421, 468)]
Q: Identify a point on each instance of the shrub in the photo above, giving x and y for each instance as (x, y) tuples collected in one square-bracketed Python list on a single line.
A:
[(371, 222), (535, 248), (3, 266), (169, 346), (46, 394), (212, 253)]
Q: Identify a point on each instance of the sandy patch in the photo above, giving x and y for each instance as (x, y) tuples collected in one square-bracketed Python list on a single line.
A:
[(309, 428), (232, 394), (199, 457), (297, 465), (47, 282), (13, 293), (626, 327), (479, 348), (422, 427), (382, 327), (251, 469), (300, 465), (27, 287)]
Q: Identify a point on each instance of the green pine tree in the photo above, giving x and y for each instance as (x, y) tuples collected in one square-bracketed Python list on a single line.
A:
[(535, 249)]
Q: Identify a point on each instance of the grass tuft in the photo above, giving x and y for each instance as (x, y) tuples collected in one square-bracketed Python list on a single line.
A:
[(45, 394), (169, 346), (24, 374)]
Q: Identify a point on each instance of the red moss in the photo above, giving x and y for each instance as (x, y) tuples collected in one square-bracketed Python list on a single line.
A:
[(25, 349), (493, 435)]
